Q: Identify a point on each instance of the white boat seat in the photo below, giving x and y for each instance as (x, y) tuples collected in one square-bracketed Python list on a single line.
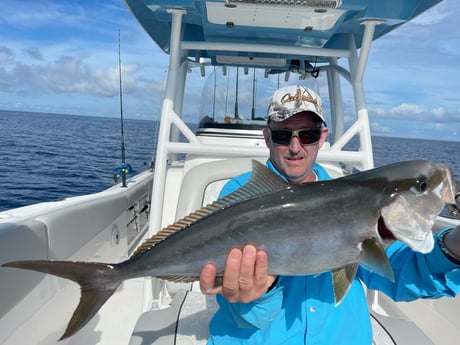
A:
[(185, 322), (393, 330), (19, 241)]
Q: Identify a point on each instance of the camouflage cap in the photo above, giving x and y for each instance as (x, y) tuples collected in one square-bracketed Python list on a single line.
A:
[(290, 100)]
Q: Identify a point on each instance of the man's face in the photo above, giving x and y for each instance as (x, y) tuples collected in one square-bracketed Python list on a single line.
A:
[(295, 161)]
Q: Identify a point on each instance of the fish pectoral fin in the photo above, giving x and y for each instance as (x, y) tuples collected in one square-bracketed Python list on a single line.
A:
[(341, 281), (375, 259)]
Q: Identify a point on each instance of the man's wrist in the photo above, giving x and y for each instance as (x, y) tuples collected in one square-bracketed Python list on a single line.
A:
[(446, 251)]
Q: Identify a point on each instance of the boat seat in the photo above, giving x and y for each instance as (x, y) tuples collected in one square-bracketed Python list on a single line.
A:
[(394, 330), (185, 322), (20, 241)]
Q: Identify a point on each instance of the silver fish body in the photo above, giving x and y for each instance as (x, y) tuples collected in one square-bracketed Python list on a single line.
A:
[(305, 229), (290, 224), (301, 225)]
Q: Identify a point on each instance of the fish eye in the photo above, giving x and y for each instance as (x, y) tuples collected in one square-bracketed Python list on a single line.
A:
[(422, 184)]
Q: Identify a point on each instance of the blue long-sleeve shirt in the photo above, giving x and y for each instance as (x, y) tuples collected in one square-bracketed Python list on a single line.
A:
[(301, 310)]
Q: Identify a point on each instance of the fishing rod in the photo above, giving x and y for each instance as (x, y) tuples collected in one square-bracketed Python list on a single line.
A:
[(253, 109), (235, 115), (125, 168)]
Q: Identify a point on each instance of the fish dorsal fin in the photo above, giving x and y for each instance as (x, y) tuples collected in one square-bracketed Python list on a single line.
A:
[(375, 259), (174, 228), (341, 281), (262, 181), (265, 179)]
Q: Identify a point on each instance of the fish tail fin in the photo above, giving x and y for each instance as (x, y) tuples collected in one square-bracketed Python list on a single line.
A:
[(95, 280), (91, 301)]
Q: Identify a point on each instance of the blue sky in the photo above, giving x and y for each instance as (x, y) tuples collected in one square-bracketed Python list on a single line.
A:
[(62, 57)]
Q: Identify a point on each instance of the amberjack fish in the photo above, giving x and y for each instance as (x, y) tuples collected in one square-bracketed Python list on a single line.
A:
[(304, 228)]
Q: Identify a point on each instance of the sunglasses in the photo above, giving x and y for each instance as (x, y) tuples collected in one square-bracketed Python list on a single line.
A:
[(307, 136)]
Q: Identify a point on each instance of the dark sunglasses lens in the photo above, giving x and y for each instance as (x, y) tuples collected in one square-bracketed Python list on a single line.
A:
[(281, 137), (306, 136), (309, 136)]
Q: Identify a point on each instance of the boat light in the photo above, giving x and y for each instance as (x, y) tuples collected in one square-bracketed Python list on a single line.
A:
[(300, 3)]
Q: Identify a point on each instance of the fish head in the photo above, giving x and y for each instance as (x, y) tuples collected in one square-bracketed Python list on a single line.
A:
[(418, 193)]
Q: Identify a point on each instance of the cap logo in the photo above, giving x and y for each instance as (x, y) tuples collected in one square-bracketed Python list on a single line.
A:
[(300, 97)]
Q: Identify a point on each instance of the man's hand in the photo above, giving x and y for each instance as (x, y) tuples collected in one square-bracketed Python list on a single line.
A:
[(245, 276)]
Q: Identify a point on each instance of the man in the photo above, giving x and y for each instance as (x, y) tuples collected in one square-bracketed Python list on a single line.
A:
[(257, 308)]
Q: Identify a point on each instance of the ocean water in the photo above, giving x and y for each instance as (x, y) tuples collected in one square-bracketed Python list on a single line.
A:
[(46, 157)]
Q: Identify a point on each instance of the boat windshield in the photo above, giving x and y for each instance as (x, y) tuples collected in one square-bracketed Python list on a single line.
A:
[(238, 97)]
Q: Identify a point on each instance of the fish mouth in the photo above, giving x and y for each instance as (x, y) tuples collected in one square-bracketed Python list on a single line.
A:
[(384, 233), (405, 222), (422, 243)]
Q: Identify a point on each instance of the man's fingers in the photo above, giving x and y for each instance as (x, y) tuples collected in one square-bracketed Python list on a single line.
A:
[(207, 278), (248, 263), (230, 285), (260, 271)]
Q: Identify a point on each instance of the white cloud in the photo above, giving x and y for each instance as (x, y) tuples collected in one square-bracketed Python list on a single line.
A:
[(59, 53), (404, 109), (378, 128), (439, 113), (415, 112)]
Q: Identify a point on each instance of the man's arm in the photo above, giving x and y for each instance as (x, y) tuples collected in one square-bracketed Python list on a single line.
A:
[(430, 275)]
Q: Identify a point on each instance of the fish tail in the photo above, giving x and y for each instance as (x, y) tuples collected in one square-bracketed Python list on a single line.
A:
[(95, 279)]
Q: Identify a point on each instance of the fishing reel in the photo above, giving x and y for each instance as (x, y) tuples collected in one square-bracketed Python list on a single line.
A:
[(454, 210), (122, 171)]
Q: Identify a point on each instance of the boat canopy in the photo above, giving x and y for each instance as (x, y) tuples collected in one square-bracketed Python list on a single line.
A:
[(300, 25)]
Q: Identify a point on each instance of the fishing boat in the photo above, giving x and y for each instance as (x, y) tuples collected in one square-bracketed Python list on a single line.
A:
[(244, 49)]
